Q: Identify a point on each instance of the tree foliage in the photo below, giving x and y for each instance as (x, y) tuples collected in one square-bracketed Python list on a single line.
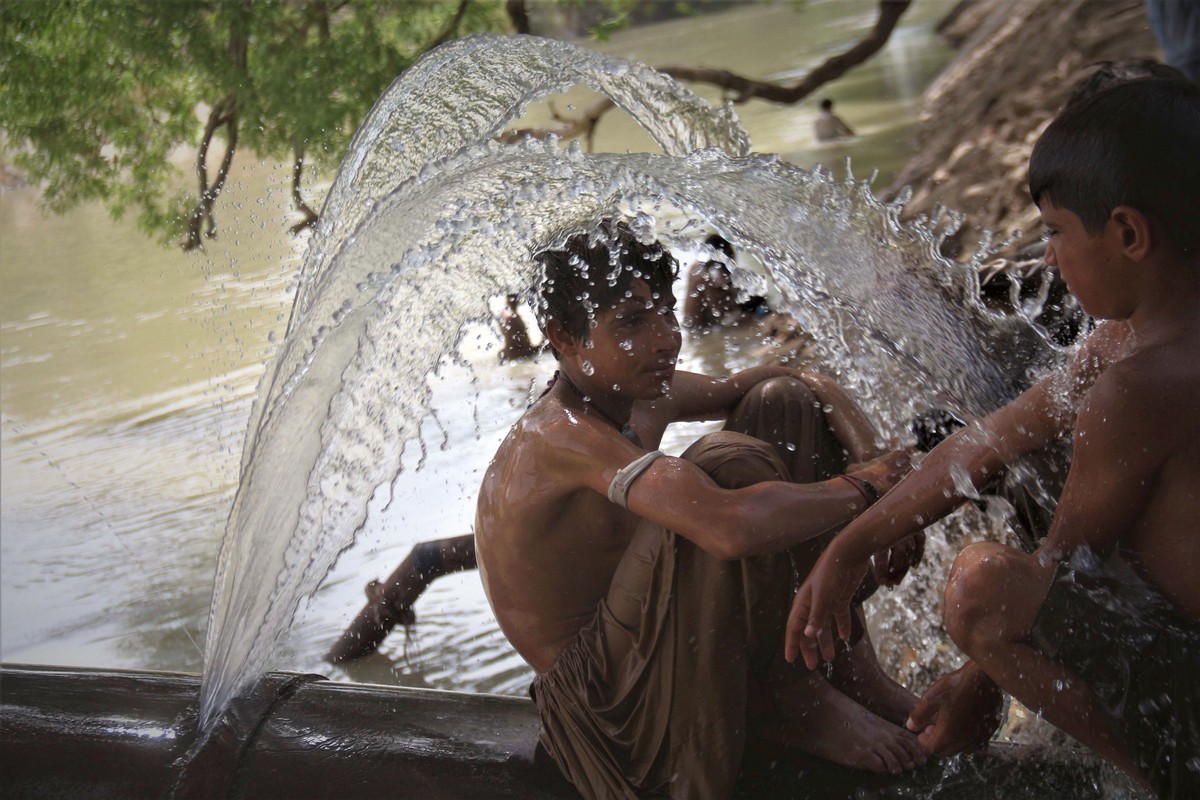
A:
[(102, 98), (99, 95)]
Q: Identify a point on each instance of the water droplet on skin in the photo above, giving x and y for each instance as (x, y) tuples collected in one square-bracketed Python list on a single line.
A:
[(626, 345), (616, 387), (791, 447), (588, 369)]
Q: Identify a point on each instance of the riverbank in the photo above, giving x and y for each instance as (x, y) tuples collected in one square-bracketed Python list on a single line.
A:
[(1017, 63)]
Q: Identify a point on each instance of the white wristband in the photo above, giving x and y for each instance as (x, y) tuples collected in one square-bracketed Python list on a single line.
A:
[(618, 490)]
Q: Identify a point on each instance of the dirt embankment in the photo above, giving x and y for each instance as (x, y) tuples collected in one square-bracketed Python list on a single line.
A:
[(1018, 62)]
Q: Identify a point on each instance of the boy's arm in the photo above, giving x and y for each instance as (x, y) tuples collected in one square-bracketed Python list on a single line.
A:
[(1121, 442), (1119, 449), (973, 454)]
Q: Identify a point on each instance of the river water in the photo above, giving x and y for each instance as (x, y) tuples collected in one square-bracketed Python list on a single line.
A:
[(129, 371)]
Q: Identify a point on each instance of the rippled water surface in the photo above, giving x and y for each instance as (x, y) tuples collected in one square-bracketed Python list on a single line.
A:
[(129, 373)]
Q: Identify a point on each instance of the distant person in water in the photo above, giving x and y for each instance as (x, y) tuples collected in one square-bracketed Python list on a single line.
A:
[(516, 335), (647, 591), (828, 126), (712, 299), (1099, 631)]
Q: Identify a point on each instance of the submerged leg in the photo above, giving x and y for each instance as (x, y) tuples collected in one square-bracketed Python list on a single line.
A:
[(390, 603)]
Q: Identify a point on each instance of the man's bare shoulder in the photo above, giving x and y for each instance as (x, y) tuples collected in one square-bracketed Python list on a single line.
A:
[(550, 427), (557, 448)]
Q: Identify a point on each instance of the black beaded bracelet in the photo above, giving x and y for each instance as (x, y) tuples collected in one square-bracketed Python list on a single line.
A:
[(865, 488)]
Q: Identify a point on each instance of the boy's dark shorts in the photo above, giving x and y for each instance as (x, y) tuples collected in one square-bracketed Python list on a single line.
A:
[(1141, 658)]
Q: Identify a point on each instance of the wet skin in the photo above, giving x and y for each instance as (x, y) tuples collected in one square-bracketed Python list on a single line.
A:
[(1138, 429), (1132, 400), (549, 541)]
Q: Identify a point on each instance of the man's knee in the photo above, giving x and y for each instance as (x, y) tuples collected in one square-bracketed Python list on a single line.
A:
[(979, 580), (735, 460), (782, 391)]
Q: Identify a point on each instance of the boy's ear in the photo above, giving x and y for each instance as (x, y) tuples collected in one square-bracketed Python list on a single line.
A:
[(563, 342), (1135, 232)]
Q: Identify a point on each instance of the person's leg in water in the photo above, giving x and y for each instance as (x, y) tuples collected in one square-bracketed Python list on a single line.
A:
[(390, 603), (855, 715)]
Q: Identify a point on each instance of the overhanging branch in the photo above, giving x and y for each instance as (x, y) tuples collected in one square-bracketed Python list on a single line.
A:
[(741, 88), (310, 216), (745, 89), (567, 127), (222, 115), (451, 29)]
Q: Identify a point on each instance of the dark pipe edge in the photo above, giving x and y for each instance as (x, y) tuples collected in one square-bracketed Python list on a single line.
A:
[(84, 734)]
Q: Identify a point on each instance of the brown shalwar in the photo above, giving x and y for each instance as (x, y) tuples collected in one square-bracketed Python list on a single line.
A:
[(651, 696)]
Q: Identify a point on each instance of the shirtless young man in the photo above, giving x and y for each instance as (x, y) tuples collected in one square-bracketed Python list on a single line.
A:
[(516, 336), (1099, 631), (649, 592)]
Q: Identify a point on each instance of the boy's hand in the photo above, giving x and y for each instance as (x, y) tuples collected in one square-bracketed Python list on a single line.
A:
[(885, 471), (893, 563), (958, 713), (823, 602)]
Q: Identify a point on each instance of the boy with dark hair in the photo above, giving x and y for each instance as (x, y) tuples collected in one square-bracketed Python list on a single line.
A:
[(516, 336), (1099, 631), (712, 299), (649, 592)]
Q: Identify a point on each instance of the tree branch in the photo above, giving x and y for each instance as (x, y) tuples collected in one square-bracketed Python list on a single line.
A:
[(518, 14), (310, 216), (742, 88), (222, 115), (450, 31), (567, 128)]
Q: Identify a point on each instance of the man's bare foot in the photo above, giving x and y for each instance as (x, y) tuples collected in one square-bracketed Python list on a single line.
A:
[(814, 717), (857, 674)]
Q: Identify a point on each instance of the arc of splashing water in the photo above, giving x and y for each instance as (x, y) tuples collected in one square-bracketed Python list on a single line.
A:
[(463, 93), (359, 352), (456, 96)]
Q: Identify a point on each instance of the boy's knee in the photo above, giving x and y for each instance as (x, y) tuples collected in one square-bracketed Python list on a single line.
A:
[(975, 593), (735, 460)]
